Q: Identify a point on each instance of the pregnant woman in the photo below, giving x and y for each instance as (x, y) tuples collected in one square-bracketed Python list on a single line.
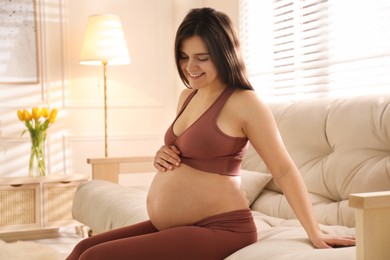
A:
[(196, 207)]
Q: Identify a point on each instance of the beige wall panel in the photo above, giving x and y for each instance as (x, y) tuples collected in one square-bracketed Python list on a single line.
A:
[(81, 148)]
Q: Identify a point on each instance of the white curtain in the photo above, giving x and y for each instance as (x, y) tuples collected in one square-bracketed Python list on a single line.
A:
[(298, 49)]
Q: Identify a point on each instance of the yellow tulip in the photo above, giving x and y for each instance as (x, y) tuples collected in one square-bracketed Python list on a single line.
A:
[(20, 115), (45, 112), (27, 116), (36, 113), (53, 115)]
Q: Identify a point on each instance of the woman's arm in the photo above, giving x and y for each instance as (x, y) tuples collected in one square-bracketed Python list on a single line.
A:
[(261, 129)]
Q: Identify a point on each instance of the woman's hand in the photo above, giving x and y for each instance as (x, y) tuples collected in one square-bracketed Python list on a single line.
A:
[(166, 158), (329, 241)]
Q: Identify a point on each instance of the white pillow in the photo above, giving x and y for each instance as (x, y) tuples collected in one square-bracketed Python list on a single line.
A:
[(252, 183)]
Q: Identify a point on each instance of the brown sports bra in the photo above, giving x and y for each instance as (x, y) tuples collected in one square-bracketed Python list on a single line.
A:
[(204, 146)]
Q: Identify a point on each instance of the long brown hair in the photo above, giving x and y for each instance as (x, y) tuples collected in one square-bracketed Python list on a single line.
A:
[(217, 31)]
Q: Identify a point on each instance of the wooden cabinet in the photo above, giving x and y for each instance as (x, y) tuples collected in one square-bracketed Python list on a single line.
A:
[(19, 206), (32, 207)]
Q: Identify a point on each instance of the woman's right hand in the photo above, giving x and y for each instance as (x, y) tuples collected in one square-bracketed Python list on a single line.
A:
[(166, 158)]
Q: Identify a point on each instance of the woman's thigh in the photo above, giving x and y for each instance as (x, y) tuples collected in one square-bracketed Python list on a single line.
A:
[(142, 228), (187, 242), (215, 237)]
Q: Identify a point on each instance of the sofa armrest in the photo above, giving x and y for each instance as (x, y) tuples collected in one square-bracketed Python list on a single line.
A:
[(372, 213), (103, 205), (109, 168)]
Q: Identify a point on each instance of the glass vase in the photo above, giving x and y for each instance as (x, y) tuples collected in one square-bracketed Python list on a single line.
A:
[(37, 166)]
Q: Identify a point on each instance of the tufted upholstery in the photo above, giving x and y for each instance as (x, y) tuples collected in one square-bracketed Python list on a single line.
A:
[(341, 146)]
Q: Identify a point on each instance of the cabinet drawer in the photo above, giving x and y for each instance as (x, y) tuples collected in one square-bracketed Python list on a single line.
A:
[(19, 206), (58, 201)]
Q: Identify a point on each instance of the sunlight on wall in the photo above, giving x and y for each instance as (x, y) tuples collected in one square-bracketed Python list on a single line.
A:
[(48, 92)]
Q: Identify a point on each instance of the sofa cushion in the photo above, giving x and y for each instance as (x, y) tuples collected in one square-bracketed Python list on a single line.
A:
[(253, 183), (341, 146), (280, 239)]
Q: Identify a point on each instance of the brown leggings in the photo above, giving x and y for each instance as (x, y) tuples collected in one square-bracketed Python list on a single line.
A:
[(213, 238)]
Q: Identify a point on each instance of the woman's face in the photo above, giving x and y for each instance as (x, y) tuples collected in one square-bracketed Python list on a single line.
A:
[(196, 63)]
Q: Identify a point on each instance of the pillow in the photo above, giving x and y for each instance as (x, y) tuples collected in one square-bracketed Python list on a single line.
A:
[(252, 183)]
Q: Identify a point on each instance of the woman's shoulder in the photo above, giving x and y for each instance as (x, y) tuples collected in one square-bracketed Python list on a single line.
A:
[(185, 93), (247, 98), (248, 103)]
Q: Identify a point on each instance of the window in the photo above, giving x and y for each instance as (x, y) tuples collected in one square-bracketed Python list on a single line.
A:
[(298, 49)]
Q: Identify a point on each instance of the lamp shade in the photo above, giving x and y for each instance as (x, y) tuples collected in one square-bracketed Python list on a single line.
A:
[(104, 42)]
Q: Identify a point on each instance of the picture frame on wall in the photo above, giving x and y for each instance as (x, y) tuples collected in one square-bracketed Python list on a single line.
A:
[(18, 42)]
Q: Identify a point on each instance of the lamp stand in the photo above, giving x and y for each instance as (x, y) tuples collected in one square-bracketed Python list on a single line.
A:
[(105, 108)]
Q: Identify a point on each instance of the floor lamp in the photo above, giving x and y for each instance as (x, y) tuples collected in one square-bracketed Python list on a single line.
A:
[(104, 44)]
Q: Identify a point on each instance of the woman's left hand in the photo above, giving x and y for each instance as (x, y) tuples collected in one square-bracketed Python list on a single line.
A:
[(329, 241)]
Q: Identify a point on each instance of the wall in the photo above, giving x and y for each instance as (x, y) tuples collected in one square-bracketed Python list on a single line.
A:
[(14, 149), (141, 96)]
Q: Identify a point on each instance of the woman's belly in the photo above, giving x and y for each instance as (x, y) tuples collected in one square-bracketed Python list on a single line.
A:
[(185, 195)]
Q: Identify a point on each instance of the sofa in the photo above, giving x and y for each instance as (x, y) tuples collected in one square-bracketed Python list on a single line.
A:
[(342, 149)]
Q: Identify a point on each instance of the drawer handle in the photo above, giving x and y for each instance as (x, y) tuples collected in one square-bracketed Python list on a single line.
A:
[(65, 182), (16, 185)]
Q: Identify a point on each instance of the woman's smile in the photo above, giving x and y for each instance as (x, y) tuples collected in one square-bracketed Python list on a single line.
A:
[(197, 75)]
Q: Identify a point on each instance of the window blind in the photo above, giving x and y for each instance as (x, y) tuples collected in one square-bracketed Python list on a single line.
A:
[(297, 49)]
